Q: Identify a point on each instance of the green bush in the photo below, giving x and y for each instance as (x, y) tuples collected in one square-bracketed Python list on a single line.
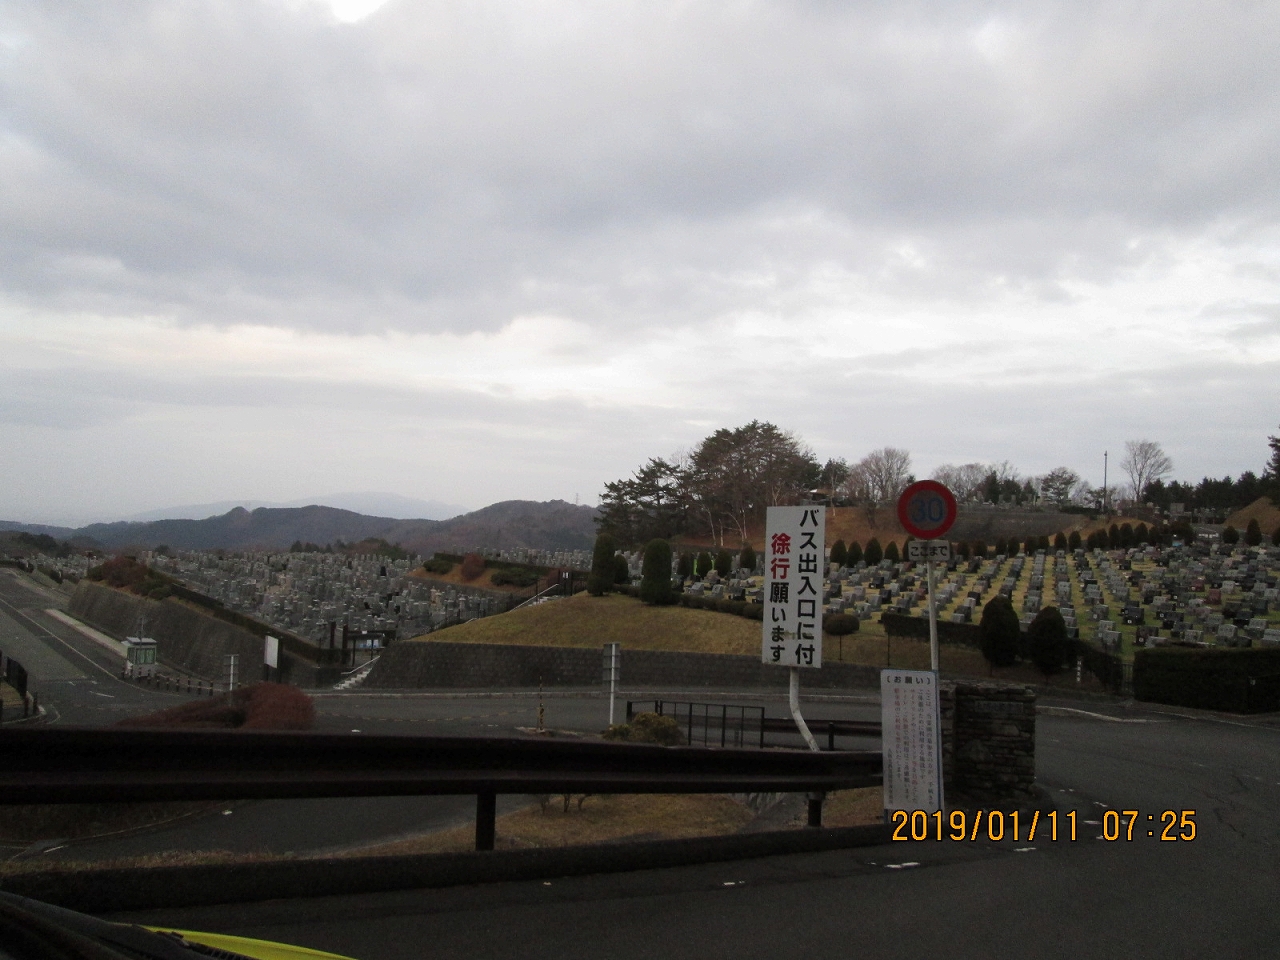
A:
[(621, 570), (999, 632), (1073, 541), (437, 566), (1230, 536), (1141, 534), (840, 624), (655, 576), (1240, 681), (747, 558), (854, 554), (647, 728), (703, 564), (891, 552), (684, 566), (514, 577), (1253, 534), (1060, 541)]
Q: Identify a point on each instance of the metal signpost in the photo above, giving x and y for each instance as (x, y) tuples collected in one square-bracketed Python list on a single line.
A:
[(909, 708), (612, 672), (794, 562)]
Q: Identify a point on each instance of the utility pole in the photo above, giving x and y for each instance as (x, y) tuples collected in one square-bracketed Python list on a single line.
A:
[(1104, 483)]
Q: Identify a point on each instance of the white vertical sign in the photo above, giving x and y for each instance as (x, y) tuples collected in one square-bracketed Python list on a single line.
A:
[(911, 745), (794, 559), (271, 651)]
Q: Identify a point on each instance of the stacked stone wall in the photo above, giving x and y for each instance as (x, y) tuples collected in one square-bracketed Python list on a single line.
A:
[(988, 741)]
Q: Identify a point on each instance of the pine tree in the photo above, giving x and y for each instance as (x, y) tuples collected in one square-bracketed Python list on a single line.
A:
[(655, 582), (1253, 533), (600, 579)]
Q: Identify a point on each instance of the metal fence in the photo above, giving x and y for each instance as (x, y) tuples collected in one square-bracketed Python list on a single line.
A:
[(709, 724), (14, 673)]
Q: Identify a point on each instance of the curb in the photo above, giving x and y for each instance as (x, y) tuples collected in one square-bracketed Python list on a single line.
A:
[(116, 890)]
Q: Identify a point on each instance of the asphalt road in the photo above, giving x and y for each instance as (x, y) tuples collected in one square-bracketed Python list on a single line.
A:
[(1211, 896)]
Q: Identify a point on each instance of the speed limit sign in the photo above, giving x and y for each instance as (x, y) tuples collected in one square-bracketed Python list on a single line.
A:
[(926, 509)]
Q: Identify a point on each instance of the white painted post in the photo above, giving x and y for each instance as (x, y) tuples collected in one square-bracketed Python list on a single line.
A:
[(933, 619), (795, 710)]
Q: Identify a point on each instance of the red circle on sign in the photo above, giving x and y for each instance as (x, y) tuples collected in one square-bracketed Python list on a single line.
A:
[(926, 509)]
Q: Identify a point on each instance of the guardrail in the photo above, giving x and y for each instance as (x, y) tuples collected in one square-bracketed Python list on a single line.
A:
[(96, 765)]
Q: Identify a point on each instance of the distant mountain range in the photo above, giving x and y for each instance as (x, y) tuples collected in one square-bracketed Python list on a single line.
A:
[(371, 503), (553, 525)]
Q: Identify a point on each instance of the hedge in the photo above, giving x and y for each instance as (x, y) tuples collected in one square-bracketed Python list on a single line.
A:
[(917, 628), (1239, 681), (738, 608)]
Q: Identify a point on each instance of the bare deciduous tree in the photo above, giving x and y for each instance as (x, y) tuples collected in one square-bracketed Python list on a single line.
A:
[(885, 473), (964, 481), (1144, 461)]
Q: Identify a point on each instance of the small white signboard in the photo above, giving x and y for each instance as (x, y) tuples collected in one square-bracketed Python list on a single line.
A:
[(271, 652), (912, 747), (794, 558), (937, 550)]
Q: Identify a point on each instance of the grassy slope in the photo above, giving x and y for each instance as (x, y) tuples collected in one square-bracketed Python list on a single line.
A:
[(585, 621), (1263, 510)]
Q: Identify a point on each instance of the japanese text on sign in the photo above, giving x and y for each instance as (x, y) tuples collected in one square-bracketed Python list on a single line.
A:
[(912, 746), (793, 566)]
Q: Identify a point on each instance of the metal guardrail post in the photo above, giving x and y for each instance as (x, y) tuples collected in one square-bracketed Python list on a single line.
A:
[(486, 817), (815, 809)]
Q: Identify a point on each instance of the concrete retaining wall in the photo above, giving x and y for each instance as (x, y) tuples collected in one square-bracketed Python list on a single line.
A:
[(445, 665)]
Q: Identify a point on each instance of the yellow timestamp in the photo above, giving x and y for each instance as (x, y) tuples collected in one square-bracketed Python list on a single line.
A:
[(997, 825)]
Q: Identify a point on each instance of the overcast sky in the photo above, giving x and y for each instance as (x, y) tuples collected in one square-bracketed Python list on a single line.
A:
[(475, 251)]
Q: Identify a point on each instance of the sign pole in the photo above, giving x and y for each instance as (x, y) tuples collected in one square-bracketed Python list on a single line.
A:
[(933, 619), (795, 710)]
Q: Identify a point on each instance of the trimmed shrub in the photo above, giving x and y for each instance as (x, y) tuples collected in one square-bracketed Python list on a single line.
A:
[(840, 624), (962, 550), (1275, 537), (514, 577), (917, 628), (724, 563), (1113, 536), (874, 552), (472, 566), (621, 570), (1073, 541), (838, 553), (999, 632), (1126, 535), (1047, 641), (854, 554), (437, 565), (1253, 534), (703, 565), (979, 549), (1241, 681), (1230, 536), (655, 582), (747, 558), (891, 552), (1060, 541), (1141, 534), (684, 566), (259, 706), (600, 579)]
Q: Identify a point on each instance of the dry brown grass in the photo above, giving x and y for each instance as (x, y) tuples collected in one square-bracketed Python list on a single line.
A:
[(1264, 511), (260, 706), (598, 819), (172, 858), (586, 621), (484, 581)]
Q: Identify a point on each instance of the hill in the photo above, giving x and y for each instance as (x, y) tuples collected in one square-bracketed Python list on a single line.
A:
[(1263, 510), (553, 525), (586, 621)]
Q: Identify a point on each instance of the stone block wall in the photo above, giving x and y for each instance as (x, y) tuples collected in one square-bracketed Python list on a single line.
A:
[(988, 741), (483, 665)]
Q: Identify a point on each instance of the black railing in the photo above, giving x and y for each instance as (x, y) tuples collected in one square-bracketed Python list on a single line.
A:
[(69, 765), (743, 726)]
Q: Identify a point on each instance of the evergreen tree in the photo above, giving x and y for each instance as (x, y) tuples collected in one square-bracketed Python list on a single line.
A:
[(655, 573), (1113, 537), (854, 556), (999, 632), (1126, 535), (979, 550), (621, 570), (724, 563), (1073, 541), (747, 558), (891, 552), (703, 565), (838, 553), (1044, 543), (962, 550), (1047, 640), (874, 553), (1141, 534), (684, 566), (1253, 534), (1275, 537), (1060, 541), (600, 579), (1230, 536)]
